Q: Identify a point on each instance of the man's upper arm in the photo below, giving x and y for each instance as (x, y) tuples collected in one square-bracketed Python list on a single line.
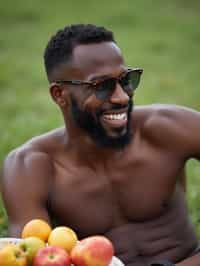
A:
[(26, 181)]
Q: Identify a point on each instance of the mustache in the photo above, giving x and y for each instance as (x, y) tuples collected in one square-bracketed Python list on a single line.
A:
[(115, 107)]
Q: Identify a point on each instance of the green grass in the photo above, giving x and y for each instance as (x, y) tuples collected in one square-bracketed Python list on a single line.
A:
[(163, 37)]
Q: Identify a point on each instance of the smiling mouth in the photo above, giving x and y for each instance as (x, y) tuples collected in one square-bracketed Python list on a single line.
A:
[(115, 119), (121, 116)]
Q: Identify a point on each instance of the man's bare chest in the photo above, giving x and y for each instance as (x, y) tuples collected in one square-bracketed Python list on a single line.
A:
[(97, 199)]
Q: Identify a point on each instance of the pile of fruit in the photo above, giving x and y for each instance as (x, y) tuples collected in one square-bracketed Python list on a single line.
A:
[(43, 246)]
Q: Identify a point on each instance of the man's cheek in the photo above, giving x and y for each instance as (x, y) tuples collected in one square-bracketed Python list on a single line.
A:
[(92, 103), (92, 106)]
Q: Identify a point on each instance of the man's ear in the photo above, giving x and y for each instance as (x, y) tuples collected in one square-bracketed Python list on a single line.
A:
[(59, 94)]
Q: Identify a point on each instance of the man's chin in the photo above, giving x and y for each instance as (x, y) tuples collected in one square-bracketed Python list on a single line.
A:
[(116, 133), (114, 129), (117, 137)]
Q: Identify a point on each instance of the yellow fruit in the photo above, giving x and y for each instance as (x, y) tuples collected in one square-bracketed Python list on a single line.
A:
[(11, 255), (38, 228), (63, 237)]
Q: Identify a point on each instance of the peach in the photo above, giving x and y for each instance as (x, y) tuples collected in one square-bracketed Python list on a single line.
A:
[(93, 250)]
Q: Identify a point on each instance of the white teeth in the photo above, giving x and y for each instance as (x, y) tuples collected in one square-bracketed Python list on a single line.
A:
[(116, 116)]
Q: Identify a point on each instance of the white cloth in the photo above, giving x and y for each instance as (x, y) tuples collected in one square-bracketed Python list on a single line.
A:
[(116, 262)]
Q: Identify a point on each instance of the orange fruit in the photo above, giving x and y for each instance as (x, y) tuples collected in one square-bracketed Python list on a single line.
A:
[(38, 228), (64, 237)]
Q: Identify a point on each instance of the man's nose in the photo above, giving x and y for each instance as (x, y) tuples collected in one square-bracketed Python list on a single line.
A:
[(119, 95)]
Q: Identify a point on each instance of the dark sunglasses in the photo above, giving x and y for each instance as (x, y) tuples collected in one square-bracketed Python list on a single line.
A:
[(103, 89)]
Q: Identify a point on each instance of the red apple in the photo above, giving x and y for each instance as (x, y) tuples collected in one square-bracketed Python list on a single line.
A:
[(93, 250), (52, 256)]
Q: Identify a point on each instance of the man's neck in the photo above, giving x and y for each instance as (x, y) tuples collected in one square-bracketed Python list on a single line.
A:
[(81, 144)]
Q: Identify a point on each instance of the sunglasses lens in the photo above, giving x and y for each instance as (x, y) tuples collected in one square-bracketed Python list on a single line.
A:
[(131, 81), (105, 89)]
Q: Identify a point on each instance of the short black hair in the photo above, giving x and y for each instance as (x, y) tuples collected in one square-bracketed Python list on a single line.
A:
[(60, 47)]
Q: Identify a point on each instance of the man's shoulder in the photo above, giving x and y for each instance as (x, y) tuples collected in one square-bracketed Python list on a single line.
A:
[(160, 121), (36, 150), (170, 127), (152, 109), (159, 113)]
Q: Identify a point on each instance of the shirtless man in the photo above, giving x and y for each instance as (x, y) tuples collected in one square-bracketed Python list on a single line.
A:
[(112, 169)]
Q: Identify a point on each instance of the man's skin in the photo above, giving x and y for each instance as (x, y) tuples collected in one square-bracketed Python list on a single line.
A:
[(135, 196)]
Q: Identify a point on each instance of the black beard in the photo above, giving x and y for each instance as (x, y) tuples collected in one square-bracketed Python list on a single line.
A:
[(95, 130)]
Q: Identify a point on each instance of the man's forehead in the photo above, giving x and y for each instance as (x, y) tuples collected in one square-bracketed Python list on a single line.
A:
[(90, 57), (91, 49)]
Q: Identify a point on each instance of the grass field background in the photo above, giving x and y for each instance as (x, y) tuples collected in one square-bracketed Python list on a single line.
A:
[(163, 37)]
